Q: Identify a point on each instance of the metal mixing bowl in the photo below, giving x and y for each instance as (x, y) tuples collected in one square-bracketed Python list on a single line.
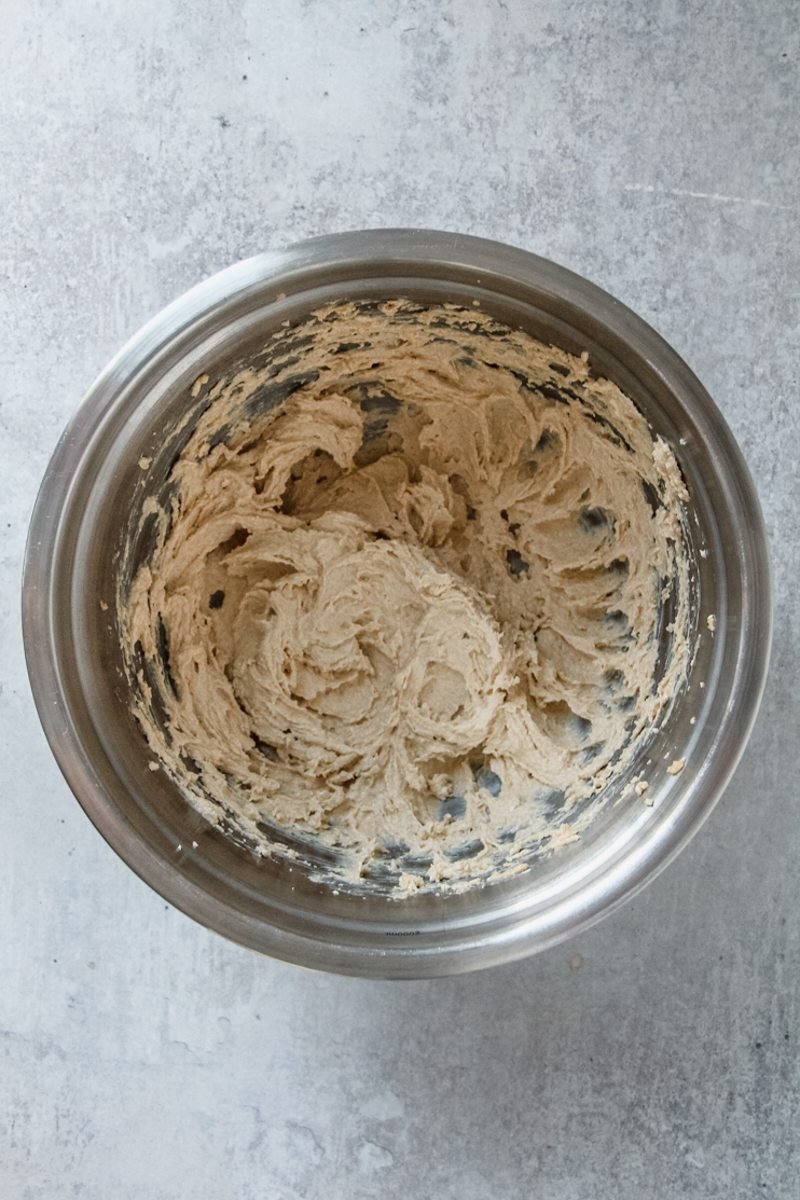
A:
[(94, 483)]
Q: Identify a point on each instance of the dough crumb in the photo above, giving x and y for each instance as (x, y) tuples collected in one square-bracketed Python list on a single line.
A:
[(676, 766), (711, 622), (145, 463), (198, 385), (565, 835)]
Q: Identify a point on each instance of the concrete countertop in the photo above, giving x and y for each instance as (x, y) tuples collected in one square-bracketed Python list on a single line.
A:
[(654, 149)]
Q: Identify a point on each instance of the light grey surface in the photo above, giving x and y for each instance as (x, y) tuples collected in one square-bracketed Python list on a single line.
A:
[(654, 148)]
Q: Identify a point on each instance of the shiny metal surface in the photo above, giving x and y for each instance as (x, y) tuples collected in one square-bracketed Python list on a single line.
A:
[(72, 646)]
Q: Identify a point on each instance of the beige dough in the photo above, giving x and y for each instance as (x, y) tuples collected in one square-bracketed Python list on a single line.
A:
[(407, 595)]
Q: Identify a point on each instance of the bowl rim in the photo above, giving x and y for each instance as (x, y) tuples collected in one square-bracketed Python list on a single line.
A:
[(625, 877)]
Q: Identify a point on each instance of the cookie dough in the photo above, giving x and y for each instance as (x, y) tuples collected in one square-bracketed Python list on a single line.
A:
[(416, 598)]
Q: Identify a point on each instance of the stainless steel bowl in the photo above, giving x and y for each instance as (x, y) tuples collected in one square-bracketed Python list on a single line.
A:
[(93, 484)]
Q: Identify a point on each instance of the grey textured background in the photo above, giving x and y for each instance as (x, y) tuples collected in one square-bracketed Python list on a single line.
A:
[(652, 147)]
